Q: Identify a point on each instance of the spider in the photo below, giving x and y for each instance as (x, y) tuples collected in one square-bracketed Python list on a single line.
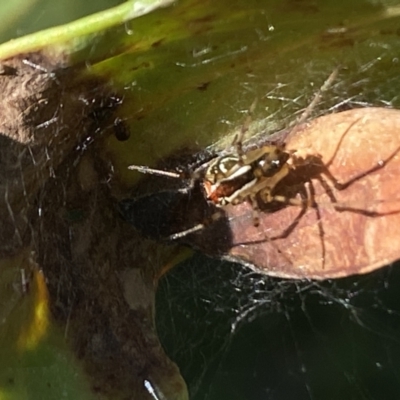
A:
[(242, 175)]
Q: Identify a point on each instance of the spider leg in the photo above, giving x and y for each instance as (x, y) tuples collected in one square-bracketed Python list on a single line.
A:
[(186, 232), (343, 206), (317, 98), (256, 210), (152, 171), (311, 195), (343, 185), (238, 140), (303, 204), (307, 200), (379, 165), (196, 228), (264, 186)]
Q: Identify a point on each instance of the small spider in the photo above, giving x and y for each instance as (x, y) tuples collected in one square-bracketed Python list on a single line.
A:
[(243, 175)]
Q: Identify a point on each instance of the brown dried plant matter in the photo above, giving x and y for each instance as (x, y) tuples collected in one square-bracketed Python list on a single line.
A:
[(345, 181), (56, 204)]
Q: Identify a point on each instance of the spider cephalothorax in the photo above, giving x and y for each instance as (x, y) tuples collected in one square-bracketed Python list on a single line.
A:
[(235, 178)]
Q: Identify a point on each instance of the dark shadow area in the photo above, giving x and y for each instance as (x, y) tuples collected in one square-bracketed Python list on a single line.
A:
[(279, 339), (164, 214)]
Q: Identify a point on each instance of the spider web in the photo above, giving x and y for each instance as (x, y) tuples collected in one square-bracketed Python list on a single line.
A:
[(239, 335)]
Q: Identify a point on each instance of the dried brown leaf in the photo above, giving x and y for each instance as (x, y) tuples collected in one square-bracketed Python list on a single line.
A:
[(349, 168)]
